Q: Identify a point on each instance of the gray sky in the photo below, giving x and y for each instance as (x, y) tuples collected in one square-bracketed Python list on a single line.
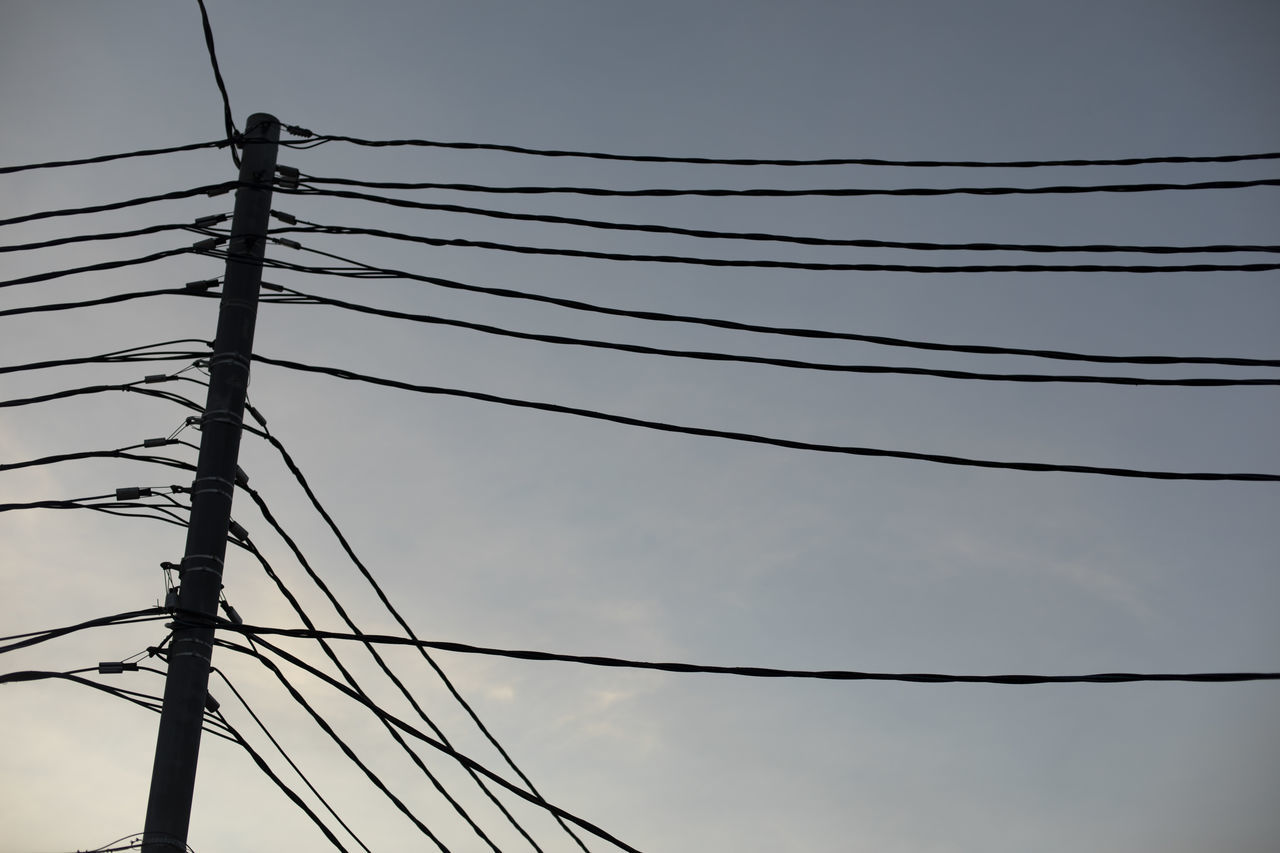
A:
[(522, 529)]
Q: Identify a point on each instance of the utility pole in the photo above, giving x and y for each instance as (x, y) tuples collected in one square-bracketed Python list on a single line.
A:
[(173, 775)]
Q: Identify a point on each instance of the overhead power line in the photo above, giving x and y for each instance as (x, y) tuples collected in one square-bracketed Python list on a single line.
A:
[(228, 119), (703, 233), (359, 269), (316, 228), (313, 138), (872, 369), (750, 438), (106, 158), (779, 192), (755, 671), (208, 189)]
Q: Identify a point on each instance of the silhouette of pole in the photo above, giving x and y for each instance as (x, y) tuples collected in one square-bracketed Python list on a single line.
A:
[(173, 774)]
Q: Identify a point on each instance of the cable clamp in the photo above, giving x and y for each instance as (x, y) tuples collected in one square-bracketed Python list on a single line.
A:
[(115, 667), (298, 131), (188, 567), (224, 416), (132, 493), (223, 487), (206, 245), (218, 190), (288, 177), (208, 221), (266, 285), (156, 377), (158, 442), (238, 531), (284, 241), (205, 284), (233, 358), (287, 218)]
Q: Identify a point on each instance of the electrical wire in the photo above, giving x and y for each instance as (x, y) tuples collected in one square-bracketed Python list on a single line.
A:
[(776, 362), (288, 792), (413, 732), (32, 638), (829, 161), (289, 462), (102, 300), (359, 269), (229, 121), (328, 729), (118, 453), (756, 236), (86, 238), (106, 158), (766, 440), (314, 228), (346, 673), (757, 671), (208, 189), (826, 192), (131, 355), (98, 267), (133, 387), (296, 769)]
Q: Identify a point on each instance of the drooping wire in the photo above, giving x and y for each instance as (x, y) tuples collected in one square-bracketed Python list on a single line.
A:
[(328, 729), (307, 298), (129, 355), (359, 269), (761, 237), (293, 467), (105, 158), (296, 769), (738, 161), (208, 189), (228, 120), (32, 638), (280, 783), (767, 440), (113, 235), (316, 228), (413, 732), (778, 192), (102, 300), (269, 517), (757, 671), (98, 267)]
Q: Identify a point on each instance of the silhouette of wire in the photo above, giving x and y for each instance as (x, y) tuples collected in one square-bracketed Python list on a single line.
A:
[(828, 192), (358, 269), (133, 387), (315, 228), (413, 732), (208, 189), (98, 267), (757, 671), (102, 300), (289, 462), (106, 158), (776, 362), (296, 769), (288, 791), (766, 440), (85, 238), (737, 161), (762, 237), (33, 638), (227, 118), (119, 453), (131, 355), (269, 517)]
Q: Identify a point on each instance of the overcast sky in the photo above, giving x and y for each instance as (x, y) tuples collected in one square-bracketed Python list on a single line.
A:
[(516, 528)]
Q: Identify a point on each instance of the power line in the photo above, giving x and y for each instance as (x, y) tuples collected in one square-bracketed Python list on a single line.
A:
[(106, 158), (413, 732), (704, 233), (722, 161), (315, 228), (32, 638), (395, 613), (115, 235), (98, 267), (778, 192), (362, 270), (757, 671), (208, 189), (776, 362), (228, 120), (269, 517), (286, 757), (766, 440)]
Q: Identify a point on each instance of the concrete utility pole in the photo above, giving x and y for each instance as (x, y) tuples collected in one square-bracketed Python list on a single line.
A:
[(173, 776)]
